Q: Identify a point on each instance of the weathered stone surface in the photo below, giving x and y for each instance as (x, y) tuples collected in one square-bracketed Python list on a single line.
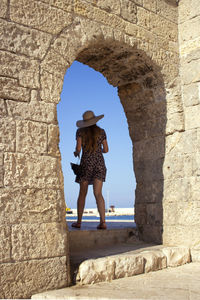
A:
[(23, 40), (32, 171), (26, 70), (3, 111), (192, 117), (150, 192), (109, 6), (1, 170), (37, 15), (42, 241), (149, 148), (188, 10), (177, 256), (128, 11), (7, 134), (10, 89), (154, 260), (31, 137), (191, 94), (169, 12), (189, 72), (51, 86), (195, 255), (23, 279), (106, 269), (66, 5), (5, 244), (143, 17), (3, 8), (150, 5), (53, 140), (18, 205), (185, 32), (34, 111)]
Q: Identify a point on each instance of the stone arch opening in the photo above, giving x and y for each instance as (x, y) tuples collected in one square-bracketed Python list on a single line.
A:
[(94, 92), (142, 95)]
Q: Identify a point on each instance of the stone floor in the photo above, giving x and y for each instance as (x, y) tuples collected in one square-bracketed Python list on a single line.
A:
[(180, 283)]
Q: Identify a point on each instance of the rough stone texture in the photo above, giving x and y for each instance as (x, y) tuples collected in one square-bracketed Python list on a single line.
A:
[(42, 241), (31, 137), (23, 279), (30, 206), (195, 255), (149, 50), (32, 171), (154, 260), (5, 243), (177, 256)]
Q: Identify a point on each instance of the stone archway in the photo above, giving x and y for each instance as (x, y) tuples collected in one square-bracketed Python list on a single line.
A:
[(137, 58)]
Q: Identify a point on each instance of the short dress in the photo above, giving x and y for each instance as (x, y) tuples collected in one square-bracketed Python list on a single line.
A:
[(92, 163)]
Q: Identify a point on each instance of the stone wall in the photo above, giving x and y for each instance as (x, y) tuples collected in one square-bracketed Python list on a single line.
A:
[(134, 44), (182, 198)]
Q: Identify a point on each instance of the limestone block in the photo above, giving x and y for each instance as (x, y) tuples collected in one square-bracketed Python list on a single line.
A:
[(176, 190), (188, 10), (182, 142), (10, 89), (177, 166), (150, 233), (150, 192), (152, 148), (163, 27), (23, 40), (51, 85), (150, 5), (154, 260), (128, 11), (192, 117), (175, 122), (42, 241), (127, 266), (3, 111), (195, 255), (66, 5), (7, 134), (18, 205), (143, 18), (177, 256), (149, 170), (189, 30), (54, 62), (3, 8), (191, 94), (190, 72), (1, 170), (34, 111), (32, 171), (112, 7), (23, 279), (185, 212), (31, 137), (168, 11), (5, 243), (188, 236), (37, 15), (53, 140), (26, 70), (92, 271)]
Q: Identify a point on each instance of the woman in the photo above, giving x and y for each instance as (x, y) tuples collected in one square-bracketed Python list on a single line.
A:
[(92, 140)]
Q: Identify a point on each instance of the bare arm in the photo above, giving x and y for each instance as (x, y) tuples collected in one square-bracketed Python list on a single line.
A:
[(105, 146), (78, 147)]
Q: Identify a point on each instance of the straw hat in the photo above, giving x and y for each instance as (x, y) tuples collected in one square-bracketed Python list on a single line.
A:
[(89, 119)]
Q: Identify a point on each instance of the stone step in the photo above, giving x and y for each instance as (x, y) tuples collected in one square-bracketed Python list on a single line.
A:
[(124, 260)]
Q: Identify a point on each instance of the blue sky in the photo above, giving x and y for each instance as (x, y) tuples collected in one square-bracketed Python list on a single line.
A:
[(85, 89)]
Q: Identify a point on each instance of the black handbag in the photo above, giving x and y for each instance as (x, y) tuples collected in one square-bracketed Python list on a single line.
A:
[(76, 168)]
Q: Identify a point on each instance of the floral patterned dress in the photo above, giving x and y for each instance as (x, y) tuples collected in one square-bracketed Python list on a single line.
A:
[(92, 163)]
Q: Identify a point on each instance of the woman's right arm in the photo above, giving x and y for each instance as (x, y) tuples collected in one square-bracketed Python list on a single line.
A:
[(105, 146)]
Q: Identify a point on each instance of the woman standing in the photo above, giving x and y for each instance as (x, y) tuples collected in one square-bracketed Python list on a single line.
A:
[(92, 140)]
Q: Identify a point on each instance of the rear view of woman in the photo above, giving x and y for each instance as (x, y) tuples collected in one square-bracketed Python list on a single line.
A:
[(92, 140)]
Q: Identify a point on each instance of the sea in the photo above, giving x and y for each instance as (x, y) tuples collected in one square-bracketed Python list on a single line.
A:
[(96, 218)]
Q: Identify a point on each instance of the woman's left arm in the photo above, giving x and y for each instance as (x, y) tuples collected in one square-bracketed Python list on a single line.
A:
[(78, 147), (105, 146)]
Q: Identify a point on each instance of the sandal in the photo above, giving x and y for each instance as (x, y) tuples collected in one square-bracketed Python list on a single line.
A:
[(102, 225), (76, 225)]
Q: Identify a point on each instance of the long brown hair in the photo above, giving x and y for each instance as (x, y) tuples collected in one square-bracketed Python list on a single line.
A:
[(90, 136)]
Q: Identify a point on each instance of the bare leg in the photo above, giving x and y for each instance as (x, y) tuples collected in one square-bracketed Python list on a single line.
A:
[(81, 199), (81, 203), (97, 188)]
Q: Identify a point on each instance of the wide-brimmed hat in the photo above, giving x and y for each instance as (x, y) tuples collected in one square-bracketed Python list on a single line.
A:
[(89, 119)]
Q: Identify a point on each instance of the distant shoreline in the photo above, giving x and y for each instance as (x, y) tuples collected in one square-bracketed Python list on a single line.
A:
[(94, 212)]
